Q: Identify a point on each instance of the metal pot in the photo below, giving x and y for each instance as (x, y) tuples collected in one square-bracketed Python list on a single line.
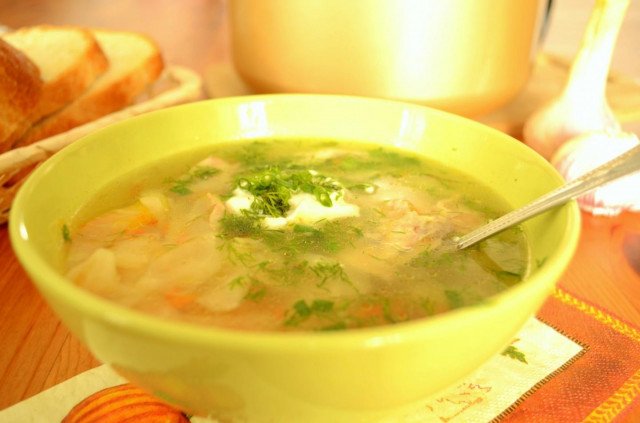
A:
[(464, 56)]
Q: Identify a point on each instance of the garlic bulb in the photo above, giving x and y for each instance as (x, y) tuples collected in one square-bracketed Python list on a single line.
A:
[(582, 105), (590, 150)]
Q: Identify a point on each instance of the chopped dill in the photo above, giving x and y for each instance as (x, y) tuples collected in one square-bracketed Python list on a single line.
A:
[(325, 237), (256, 290), (367, 188), (180, 189), (330, 271), (436, 258), (322, 306), (335, 326), (428, 305), (179, 186), (390, 157), (236, 282), (386, 310), (254, 152), (204, 172), (301, 311), (376, 158), (356, 231), (540, 262), (66, 235), (256, 293), (246, 224), (272, 188), (289, 273), (234, 255), (454, 298)]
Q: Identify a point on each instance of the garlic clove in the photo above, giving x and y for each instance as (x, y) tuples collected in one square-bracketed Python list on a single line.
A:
[(590, 150), (581, 106), (564, 118)]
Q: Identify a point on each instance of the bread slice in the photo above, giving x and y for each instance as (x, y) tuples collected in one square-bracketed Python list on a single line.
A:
[(134, 62), (20, 92), (69, 59)]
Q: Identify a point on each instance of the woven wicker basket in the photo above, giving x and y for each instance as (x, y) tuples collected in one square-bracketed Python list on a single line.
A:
[(175, 86)]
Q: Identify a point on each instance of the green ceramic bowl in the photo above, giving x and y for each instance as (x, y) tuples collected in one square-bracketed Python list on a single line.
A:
[(309, 377)]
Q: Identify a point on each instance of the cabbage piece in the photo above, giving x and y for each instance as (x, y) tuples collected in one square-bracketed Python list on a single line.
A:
[(188, 264), (98, 273)]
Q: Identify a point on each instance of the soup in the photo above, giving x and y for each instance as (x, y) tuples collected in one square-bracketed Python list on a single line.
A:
[(281, 235)]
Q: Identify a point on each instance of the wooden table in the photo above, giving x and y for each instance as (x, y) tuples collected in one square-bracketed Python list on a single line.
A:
[(38, 352)]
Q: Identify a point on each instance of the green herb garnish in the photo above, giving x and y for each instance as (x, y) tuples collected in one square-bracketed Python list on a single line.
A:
[(246, 224), (204, 172), (180, 186), (428, 306), (321, 306), (66, 235), (180, 189), (335, 326), (368, 188), (391, 157), (541, 262), (235, 255), (325, 237), (301, 311), (256, 291), (290, 272), (272, 189), (454, 298), (438, 257), (515, 353), (330, 271)]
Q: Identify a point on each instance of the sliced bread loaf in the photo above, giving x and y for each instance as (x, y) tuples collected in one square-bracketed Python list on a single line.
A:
[(134, 62), (69, 60), (20, 92)]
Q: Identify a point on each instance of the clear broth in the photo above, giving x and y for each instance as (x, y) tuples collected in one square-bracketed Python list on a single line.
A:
[(171, 240)]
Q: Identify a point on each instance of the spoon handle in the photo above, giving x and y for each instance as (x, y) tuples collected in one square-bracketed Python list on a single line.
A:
[(624, 164)]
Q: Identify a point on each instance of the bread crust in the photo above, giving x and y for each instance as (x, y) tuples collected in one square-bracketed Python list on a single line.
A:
[(72, 81), (20, 93), (103, 97)]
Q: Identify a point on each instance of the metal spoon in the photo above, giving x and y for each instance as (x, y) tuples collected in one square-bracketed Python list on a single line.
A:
[(622, 165)]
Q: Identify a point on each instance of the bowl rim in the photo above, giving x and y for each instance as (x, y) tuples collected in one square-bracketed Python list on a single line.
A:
[(45, 277)]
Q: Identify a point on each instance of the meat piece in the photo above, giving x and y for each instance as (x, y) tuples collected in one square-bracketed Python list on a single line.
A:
[(402, 227)]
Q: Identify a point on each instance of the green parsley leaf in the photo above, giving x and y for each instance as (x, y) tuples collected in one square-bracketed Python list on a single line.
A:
[(515, 353), (66, 235)]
